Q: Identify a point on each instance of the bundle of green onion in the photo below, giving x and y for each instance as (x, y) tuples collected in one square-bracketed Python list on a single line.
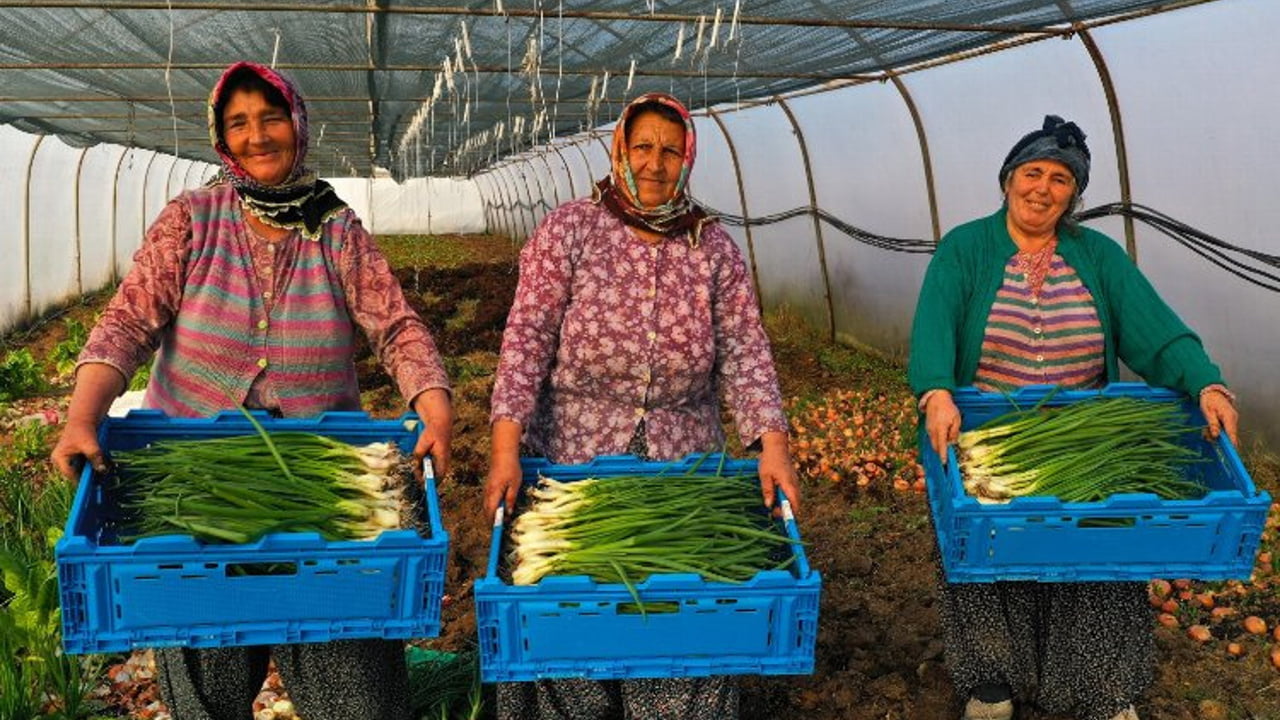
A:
[(623, 529), (237, 489), (1082, 452)]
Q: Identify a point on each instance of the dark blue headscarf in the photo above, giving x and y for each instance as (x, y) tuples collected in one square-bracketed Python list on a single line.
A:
[(1056, 140)]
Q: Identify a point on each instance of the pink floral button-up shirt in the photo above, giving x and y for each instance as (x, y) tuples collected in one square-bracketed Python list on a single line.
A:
[(608, 330)]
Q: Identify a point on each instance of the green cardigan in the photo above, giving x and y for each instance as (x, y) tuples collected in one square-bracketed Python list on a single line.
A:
[(968, 269)]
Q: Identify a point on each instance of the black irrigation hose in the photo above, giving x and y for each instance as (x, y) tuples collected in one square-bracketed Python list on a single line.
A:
[(1201, 243), (885, 243), (1218, 252), (1210, 248)]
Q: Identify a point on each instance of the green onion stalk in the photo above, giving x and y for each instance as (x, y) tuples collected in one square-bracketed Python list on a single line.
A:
[(1083, 452), (623, 529), (237, 489)]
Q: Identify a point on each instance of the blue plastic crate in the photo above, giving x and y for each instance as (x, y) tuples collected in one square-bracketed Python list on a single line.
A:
[(571, 626), (173, 591), (1041, 538)]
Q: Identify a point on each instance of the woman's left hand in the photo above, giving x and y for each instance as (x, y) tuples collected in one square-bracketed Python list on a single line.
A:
[(436, 410), (1220, 413), (777, 470)]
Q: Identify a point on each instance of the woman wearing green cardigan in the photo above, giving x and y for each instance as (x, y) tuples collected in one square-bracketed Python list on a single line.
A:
[(1025, 296)]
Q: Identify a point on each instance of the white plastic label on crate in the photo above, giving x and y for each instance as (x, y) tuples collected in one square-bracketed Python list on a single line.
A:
[(428, 469), (497, 516), (786, 511)]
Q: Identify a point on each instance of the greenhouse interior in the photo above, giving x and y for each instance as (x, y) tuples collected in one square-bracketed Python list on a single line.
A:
[(837, 144)]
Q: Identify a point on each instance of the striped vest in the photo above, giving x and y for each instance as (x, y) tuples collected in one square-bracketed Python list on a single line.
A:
[(1053, 338), (222, 337)]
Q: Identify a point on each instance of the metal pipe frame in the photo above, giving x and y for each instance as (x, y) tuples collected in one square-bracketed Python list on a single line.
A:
[(817, 222), (26, 232), (742, 201), (79, 253)]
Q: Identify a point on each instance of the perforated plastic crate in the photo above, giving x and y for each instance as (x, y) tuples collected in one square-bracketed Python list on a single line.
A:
[(571, 626), (1215, 537), (285, 588)]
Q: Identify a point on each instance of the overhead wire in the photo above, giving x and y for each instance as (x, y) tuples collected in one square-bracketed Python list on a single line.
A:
[(1234, 259), (1213, 249)]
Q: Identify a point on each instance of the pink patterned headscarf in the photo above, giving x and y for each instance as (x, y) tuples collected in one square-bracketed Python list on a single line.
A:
[(301, 201), (618, 192)]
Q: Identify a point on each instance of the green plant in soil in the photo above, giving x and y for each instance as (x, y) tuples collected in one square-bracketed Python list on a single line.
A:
[(470, 367), (20, 376), (28, 444), (36, 677), (444, 686), (64, 354), (140, 378)]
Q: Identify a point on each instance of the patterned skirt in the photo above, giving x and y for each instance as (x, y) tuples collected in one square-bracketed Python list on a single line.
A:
[(712, 698), (339, 680), (1080, 649)]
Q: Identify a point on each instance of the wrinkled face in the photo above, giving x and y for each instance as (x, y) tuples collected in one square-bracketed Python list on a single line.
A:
[(655, 151), (259, 135), (1038, 193)]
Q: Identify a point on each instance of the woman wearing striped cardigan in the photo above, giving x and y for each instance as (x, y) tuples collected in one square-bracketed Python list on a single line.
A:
[(249, 291), (1026, 296)]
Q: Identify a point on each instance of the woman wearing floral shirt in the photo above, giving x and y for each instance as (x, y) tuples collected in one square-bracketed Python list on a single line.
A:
[(634, 311)]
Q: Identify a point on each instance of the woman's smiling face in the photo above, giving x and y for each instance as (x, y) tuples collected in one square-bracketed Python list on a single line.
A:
[(1038, 193), (259, 135)]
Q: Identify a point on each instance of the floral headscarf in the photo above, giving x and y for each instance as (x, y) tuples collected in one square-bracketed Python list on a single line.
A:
[(302, 201), (618, 192)]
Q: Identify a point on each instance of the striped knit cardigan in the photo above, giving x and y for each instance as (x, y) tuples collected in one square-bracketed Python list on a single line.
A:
[(223, 338)]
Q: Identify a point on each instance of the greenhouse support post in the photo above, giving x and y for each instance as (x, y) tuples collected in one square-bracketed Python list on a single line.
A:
[(925, 158), (573, 193), (742, 201), (555, 190), (26, 233), (79, 253), (813, 214), (1117, 132)]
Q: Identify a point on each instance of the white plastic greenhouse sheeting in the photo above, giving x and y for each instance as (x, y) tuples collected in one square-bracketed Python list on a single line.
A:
[(417, 206), (77, 215), (1194, 91)]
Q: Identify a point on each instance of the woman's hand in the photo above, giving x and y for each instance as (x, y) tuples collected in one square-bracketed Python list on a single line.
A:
[(97, 384), (502, 486), (941, 422), (1220, 413), (78, 443), (436, 410), (777, 470)]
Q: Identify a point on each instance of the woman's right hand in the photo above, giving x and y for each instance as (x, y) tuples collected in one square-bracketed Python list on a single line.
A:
[(78, 443), (97, 384), (502, 485), (941, 422)]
